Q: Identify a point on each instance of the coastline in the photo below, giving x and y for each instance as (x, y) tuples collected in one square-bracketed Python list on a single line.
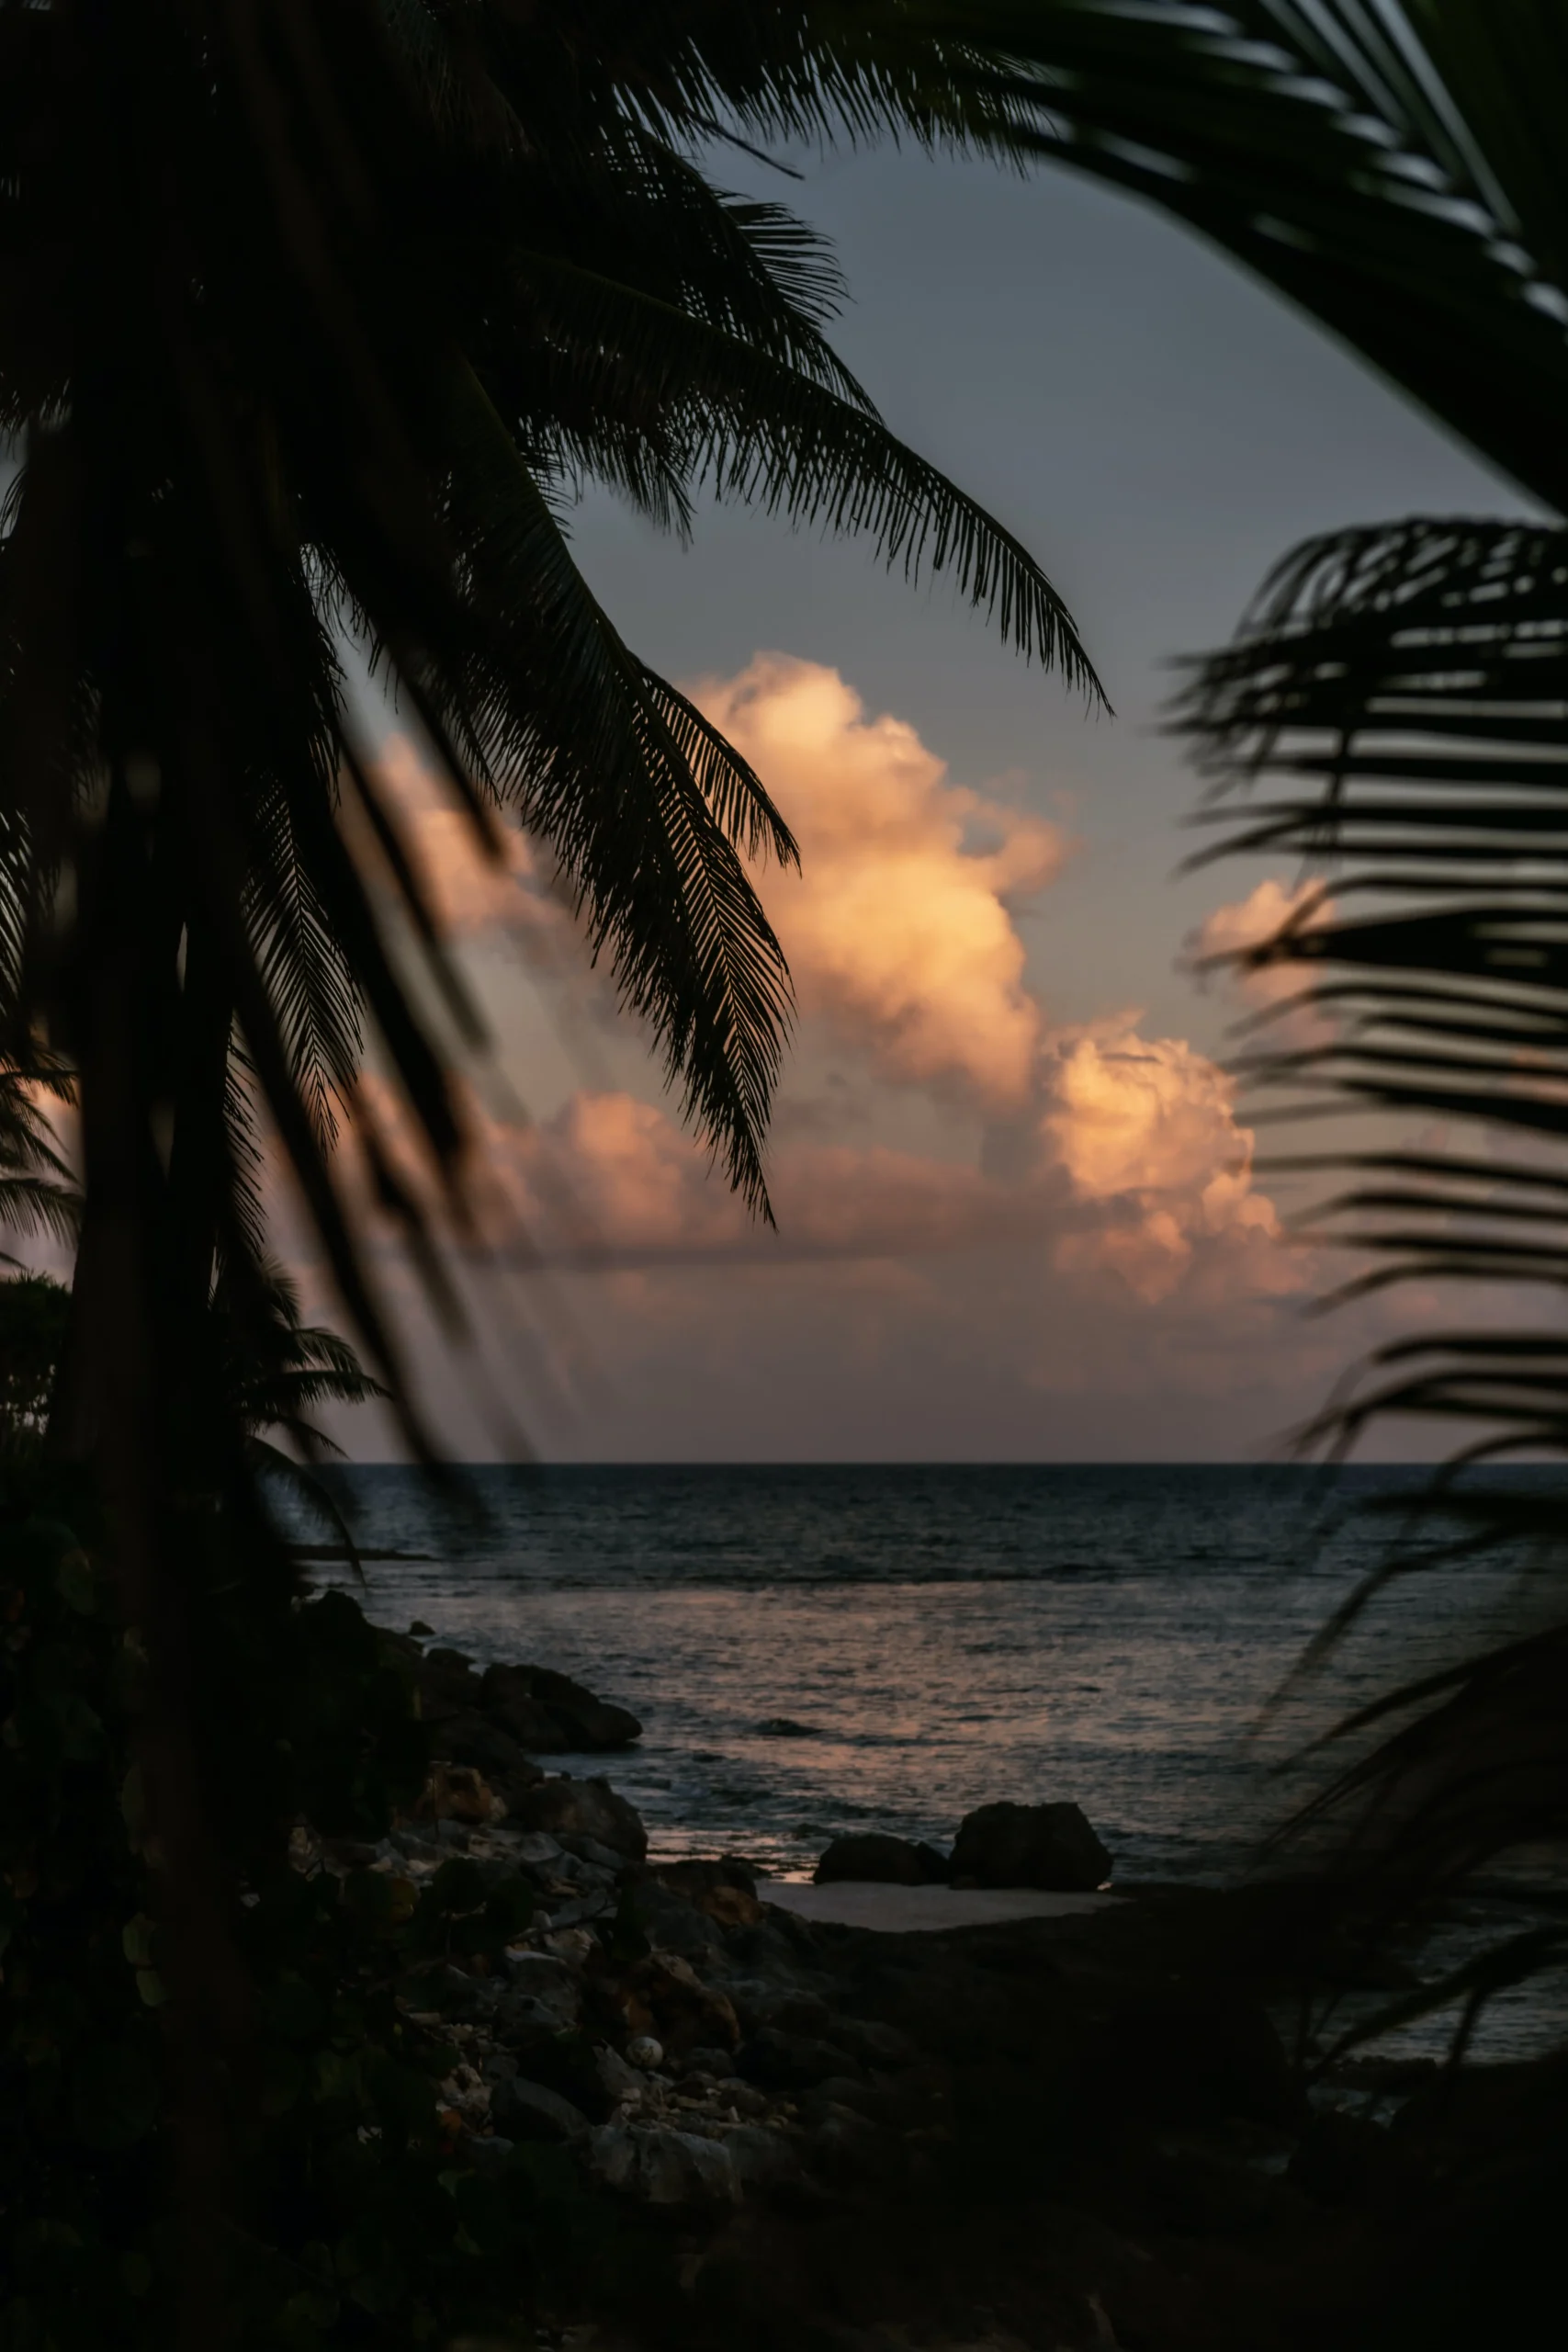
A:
[(863, 2117)]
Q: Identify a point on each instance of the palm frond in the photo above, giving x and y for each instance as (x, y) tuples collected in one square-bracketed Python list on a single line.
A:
[(1378, 165), (1399, 693), (634, 792), (772, 435)]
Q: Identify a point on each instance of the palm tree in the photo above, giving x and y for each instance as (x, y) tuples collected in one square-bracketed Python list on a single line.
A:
[(37, 1187), (313, 321), (278, 1370)]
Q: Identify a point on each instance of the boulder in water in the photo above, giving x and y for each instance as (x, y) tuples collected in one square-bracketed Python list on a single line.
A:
[(469, 1738), (447, 1683), (554, 1715), (1050, 1847), (871, 1856)]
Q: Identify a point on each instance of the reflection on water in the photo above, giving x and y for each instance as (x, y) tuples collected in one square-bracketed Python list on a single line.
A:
[(812, 1650)]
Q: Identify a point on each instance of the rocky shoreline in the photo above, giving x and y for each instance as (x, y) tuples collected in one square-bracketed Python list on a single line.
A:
[(1045, 2132)]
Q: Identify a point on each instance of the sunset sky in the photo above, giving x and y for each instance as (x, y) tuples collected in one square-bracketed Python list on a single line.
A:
[(1017, 1216)]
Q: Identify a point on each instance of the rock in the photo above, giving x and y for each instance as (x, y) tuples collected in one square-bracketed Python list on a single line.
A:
[(457, 1792), (457, 1995), (583, 1809), (778, 2061), (620, 2080), (576, 1946), (699, 2169), (487, 2155), (1047, 1846), (535, 1849), (554, 1715), (716, 2065), (725, 1890), (846, 2149), (601, 1858), (871, 2042), (523, 2110), (585, 1878), (685, 2013), (447, 1685), (524, 2023), (414, 1849), (794, 2010), (874, 1857), (759, 2158), (662, 2166), (674, 1924), (576, 1909), (548, 1982), (469, 1738), (465, 2094), (613, 2155)]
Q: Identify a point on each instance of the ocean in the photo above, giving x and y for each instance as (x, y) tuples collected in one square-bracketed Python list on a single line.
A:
[(818, 1648)]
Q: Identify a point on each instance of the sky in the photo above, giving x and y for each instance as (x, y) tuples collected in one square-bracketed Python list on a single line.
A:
[(1018, 1211)]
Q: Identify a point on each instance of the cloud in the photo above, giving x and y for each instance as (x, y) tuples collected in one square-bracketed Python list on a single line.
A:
[(1106, 1252), (1247, 922), (611, 1181), (1145, 1130), (1137, 1177), (468, 892), (898, 927), (1115, 1295)]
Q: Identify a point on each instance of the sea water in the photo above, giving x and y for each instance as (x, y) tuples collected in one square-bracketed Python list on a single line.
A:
[(818, 1649)]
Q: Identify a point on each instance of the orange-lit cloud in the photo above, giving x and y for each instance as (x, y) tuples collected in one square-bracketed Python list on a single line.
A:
[(907, 1302), (1138, 1176), (1145, 1130), (468, 891), (1247, 923), (1109, 1240), (898, 927)]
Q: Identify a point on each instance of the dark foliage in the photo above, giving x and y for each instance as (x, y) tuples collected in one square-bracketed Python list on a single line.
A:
[(1393, 707), (38, 1190), (311, 324), (33, 1311)]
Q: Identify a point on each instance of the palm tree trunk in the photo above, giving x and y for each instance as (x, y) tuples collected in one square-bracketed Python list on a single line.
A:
[(125, 1409)]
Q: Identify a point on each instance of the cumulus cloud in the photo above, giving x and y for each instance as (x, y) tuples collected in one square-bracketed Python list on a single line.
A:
[(1123, 1286), (898, 927), (611, 1181), (1247, 923), (1138, 1177), (1145, 1130), (1126, 1163), (1111, 1238)]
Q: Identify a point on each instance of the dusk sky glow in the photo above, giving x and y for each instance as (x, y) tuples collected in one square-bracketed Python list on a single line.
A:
[(1017, 1213)]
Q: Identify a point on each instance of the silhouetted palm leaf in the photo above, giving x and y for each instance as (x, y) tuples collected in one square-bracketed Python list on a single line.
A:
[(37, 1187), (312, 323), (1392, 170), (1403, 690)]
